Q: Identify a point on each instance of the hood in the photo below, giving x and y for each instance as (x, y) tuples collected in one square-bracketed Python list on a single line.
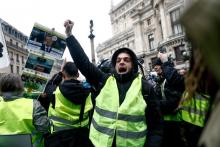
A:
[(128, 51), (74, 91)]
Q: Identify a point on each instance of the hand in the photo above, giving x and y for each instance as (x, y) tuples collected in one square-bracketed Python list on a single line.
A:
[(68, 24), (163, 57)]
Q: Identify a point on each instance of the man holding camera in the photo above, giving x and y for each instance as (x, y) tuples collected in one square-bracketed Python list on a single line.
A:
[(169, 88)]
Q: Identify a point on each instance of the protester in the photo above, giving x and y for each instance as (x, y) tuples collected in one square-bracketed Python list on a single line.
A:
[(126, 111), (20, 116), (195, 101), (169, 88), (203, 29), (68, 110)]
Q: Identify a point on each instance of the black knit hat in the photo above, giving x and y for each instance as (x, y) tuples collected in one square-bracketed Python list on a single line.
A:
[(128, 51), (157, 62)]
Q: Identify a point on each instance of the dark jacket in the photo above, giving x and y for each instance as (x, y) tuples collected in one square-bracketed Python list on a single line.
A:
[(173, 88), (97, 78), (74, 91), (47, 96)]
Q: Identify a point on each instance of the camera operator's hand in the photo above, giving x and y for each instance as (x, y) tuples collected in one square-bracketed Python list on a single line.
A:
[(163, 57), (68, 24)]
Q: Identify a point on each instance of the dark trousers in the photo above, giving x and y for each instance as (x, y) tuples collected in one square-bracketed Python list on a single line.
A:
[(192, 134), (173, 135), (78, 137)]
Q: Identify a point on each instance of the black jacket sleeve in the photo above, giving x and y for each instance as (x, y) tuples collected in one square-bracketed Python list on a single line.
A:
[(93, 75), (173, 77), (48, 97), (173, 89), (170, 104), (153, 116)]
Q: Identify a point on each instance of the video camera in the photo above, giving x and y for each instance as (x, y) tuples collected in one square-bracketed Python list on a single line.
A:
[(170, 58)]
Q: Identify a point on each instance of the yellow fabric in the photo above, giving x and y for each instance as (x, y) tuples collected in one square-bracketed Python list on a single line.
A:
[(133, 106), (17, 118), (66, 110)]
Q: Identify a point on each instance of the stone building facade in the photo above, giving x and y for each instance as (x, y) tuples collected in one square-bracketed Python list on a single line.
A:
[(15, 42), (146, 26)]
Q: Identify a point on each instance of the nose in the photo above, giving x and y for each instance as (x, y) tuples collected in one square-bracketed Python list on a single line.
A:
[(122, 62)]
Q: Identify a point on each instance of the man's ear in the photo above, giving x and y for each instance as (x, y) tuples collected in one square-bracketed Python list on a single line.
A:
[(63, 75)]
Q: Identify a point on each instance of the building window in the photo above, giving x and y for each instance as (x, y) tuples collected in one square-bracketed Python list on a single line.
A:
[(148, 21), (11, 55), (151, 42), (175, 24), (16, 34), (25, 39), (12, 31), (178, 53), (9, 30), (17, 57), (11, 66), (11, 42), (22, 59), (17, 69)]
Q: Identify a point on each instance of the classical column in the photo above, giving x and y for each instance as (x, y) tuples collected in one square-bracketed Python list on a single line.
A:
[(139, 38), (163, 20), (91, 37)]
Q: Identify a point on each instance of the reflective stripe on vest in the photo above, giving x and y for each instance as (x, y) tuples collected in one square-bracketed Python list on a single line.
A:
[(18, 120), (127, 122), (195, 110), (65, 115)]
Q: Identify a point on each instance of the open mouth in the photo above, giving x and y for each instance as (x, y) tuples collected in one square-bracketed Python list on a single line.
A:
[(122, 69)]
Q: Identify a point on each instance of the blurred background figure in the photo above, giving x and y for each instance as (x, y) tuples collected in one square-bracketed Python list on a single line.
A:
[(152, 78), (183, 71), (105, 66), (169, 88), (203, 29)]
